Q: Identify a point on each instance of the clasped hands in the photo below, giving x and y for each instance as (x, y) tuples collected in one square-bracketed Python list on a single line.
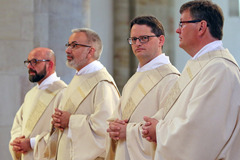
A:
[(60, 119), (149, 129), (21, 145), (117, 129)]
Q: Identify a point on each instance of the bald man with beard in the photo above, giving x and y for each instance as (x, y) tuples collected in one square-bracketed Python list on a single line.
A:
[(33, 117)]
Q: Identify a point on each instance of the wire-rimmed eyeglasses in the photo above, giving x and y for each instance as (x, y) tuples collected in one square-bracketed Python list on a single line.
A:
[(142, 39), (33, 62)]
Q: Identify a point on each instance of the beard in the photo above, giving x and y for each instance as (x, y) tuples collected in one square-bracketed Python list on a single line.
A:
[(75, 64), (71, 64), (38, 76)]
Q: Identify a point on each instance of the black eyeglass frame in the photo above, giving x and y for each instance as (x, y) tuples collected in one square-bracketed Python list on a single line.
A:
[(34, 61), (192, 21), (73, 45), (140, 38)]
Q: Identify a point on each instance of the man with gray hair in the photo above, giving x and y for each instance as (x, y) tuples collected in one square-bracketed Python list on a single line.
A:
[(37, 108), (80, 120)]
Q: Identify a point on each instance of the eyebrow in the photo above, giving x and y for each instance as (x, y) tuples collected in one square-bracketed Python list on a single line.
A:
[(73, 42)]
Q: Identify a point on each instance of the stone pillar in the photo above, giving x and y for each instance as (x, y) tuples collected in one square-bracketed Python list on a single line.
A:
[(16, 40), (27, 24), (163, 10), (65, 15), (121, 46)]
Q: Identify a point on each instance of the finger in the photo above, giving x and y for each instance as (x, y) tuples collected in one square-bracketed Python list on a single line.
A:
[(146, 118), (147, 124), (21, 137), (109, 130), (116, 138), (56, 120), (120, 121), (114, 127), (58, 125), (58, 111), (16, 148), (114, 135), (56, 115), (145, 132), (149, 139)]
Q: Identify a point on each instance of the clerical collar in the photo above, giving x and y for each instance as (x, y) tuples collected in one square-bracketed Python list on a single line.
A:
[(213, 46), (48, 81), (90, 68), (154, 63)]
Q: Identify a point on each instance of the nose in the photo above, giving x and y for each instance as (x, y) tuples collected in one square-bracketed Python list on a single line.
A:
[(68, 50), (178, 30), (138, 42), (29, 66)]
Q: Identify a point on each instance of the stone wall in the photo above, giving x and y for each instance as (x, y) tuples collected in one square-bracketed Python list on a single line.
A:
[(24, 25)]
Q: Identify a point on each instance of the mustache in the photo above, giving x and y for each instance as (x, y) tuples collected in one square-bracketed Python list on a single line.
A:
[(31, 70), (68, 55)]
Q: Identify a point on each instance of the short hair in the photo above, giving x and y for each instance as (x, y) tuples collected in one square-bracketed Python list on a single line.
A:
[(208, 11), (51, 55), (93, 39), (150, 21)]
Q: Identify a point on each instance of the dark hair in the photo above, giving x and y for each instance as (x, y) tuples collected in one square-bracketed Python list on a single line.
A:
[(208, 11), (153, 22)]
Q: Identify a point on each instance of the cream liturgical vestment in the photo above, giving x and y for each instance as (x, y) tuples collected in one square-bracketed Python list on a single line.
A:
[(34, 116), (91, 99), (141, 97), (201, 119)]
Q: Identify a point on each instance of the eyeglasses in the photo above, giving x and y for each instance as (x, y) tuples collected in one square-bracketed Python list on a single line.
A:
[(74, 45), (142, 39), (33, 62), (192, 21)]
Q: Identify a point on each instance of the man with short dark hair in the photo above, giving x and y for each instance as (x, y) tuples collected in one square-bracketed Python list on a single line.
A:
[(200, 118), (143, 92), (33, 117)]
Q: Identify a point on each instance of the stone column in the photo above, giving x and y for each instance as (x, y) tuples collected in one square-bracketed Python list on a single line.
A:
[(16, 40), (65, 15), (24, 25), (164, 11), (121, 46)]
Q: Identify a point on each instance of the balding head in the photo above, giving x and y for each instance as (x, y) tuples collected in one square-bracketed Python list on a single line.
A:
[(44, 53), (44, 66)]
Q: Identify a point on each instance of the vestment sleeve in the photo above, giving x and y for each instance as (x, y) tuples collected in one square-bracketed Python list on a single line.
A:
[(210, 119), (89, 131), (16, 131), (42, 138)]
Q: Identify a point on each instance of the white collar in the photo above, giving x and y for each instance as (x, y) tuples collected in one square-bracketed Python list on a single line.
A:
[(213, 46), (90, 68), (154, 63), (48, 81)]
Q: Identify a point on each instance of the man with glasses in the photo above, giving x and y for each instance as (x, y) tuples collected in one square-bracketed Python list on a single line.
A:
[(34, 115), (142, 93), (80, 121), (201, 117)]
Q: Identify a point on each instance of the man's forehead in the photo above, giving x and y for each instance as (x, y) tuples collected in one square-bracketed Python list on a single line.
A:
[(76, 37), (35, 54)]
